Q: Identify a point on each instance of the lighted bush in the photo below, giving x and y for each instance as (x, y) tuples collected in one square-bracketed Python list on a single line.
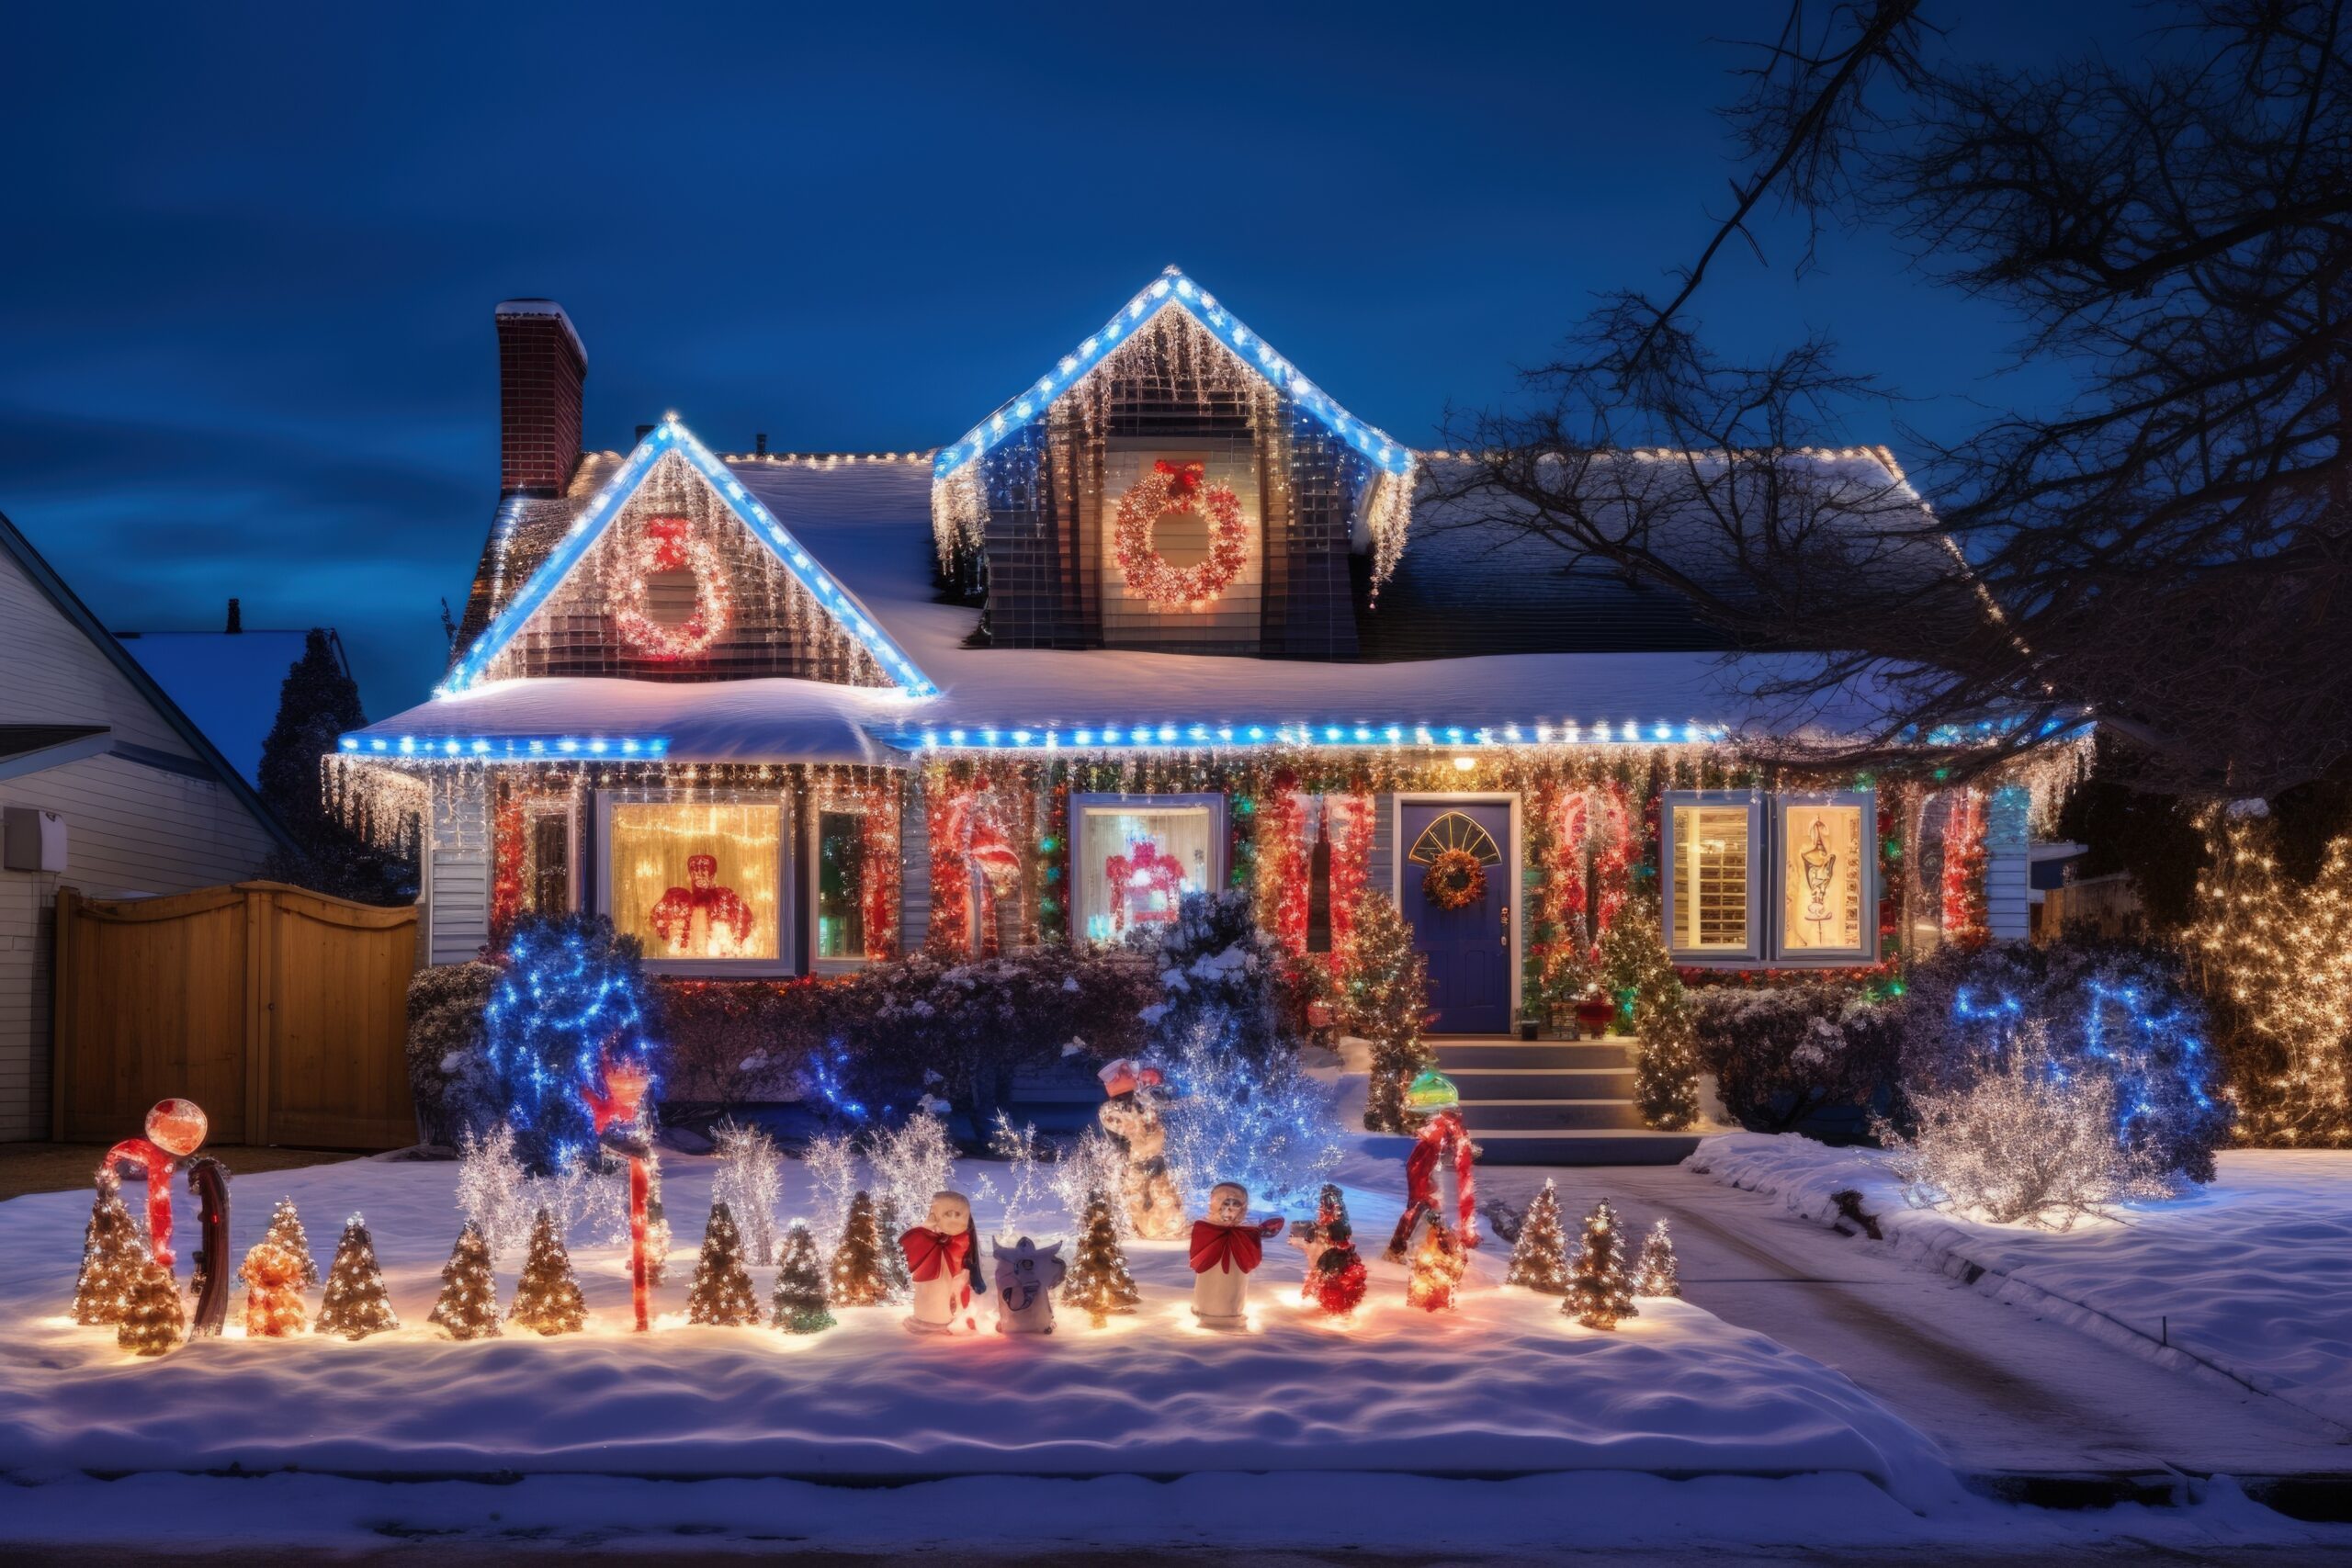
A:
[(1784, 1056), (570, 996)]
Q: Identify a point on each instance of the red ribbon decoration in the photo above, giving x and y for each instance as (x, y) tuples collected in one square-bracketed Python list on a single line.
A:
[(1227, 1247), (157, 1165), (1183, 479), (933, 1253), (1420, 1181), (617, 1103)]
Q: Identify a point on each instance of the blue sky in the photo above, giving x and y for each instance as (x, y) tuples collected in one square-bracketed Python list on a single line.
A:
[(254, 252)]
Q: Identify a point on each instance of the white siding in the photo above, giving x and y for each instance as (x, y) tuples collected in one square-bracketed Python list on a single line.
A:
[(2006, 872), (457, 884), (914, 871)]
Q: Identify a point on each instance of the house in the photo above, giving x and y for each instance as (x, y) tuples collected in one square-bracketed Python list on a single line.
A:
[(105, 786), (1170, 617), (229, 682)]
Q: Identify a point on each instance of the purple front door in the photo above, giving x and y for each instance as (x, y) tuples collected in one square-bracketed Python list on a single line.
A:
[(1468, 949)]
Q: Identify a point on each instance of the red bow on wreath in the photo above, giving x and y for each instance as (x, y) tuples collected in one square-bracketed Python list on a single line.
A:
[(1183, 479)]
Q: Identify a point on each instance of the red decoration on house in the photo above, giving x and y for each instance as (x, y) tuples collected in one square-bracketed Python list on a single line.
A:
[(616, 1109), (1143, 873), (506, 869), (1964, 878), (669, 545), (1349, 820), (725, 919), (1179, 488), (1613, 858)]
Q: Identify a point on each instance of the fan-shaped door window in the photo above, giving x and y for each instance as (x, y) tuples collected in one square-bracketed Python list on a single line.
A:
[(1454, 831)]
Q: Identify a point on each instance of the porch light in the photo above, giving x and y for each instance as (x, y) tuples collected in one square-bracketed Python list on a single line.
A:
[(1463, 762)]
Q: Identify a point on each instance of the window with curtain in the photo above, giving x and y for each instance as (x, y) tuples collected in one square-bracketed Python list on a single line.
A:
[(698, 880), (1134, 859)]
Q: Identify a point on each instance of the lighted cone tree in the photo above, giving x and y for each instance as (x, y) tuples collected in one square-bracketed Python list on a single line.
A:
[(547, 1298), (286, 1231), (273, 1281), (1386, 995), (152, 1319), (1539, 1259), (357, 1303), (468, 1306), (1438, 1267), (1655, 1273), (723, 1295), (800, 1303), (1600, 1290), (857, 1278), (895, 1280), (1099, 1283), (110, 1251), (1665, 1061)]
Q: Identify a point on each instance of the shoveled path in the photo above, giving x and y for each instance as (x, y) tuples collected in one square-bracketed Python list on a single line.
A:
[(2002, 1389)]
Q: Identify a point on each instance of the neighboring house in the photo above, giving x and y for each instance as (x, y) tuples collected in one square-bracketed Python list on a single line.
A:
[(229, 682), (1169, 618), (138, 801)]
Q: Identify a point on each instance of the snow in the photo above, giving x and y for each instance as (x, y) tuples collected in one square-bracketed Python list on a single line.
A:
[(1505, 1387), (2247, 1277)]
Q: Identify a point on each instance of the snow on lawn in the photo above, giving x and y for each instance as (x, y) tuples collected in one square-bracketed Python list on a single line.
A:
[(1506, 1385), (2249, 1276)]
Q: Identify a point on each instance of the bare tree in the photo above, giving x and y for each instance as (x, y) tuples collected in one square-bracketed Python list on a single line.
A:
[(2166, 554)]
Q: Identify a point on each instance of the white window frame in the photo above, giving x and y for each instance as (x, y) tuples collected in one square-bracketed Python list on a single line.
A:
[(786, 915), (1081, 847), (817, 810), (1819, 957), (1754, 803)]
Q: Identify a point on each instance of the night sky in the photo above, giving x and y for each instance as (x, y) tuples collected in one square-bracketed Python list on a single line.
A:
[(245, 341)]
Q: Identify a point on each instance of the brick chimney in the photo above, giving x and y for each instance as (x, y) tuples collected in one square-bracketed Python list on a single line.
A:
[(541, 371)]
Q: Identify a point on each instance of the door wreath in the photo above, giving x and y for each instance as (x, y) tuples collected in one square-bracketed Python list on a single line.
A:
[(1454, 880), (1179, 488)]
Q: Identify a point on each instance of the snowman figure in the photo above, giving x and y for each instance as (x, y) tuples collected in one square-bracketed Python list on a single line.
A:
[(1226, 1247), (1026, 1280), (946, 1268)]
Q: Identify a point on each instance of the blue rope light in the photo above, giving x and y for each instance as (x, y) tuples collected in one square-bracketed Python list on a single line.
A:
[(589, 526), (1140, 737), (504, 748), (1173, 288)]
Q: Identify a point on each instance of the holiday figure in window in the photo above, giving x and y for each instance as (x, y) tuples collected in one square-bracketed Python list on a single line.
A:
[(703, 919), (946, 1268), (1132, 1118), (1227, 1246)]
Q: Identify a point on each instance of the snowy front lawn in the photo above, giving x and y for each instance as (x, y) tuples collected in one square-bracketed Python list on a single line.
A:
[(2250, 1276), (1506, 1385)]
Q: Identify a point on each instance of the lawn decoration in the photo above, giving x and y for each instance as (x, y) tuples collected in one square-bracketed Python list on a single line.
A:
[(668, 545), (272, 1280), (547, 1298), (1178, 488), (1099, 1283), (703, 919), (467, 1307), (1147, 885), (285, 1229), (110, 1252), (1026, 1279), (800, 1303), (722, 1295), (858, 1278), (150, 1322), (946, 1267), (617, 1112), (1539, 1256), (1226, 1248), (1314, 1237), (355, 1304), (1438, 1263), (1433, 1096), (1656, 1273), (175, 1129), (1131, 1116), (1336, 1277), (1600, 1291), (208, 1179)]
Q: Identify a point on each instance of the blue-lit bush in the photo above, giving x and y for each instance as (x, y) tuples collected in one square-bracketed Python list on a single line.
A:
[(570, 995), (2115, 1011), (1262, 1121)]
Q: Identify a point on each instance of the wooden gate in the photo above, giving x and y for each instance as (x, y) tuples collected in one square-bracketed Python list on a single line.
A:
[(283, 1013)]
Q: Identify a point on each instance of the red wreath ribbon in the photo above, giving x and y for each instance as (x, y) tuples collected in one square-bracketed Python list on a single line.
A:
[(1227, 1247)]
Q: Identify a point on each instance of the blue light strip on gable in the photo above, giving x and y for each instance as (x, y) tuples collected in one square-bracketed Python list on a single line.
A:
[(1137, 737), (589, 526), (506, 748), (1172, 287)]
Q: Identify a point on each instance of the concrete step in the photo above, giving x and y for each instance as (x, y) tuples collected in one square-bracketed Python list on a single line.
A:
[(1542, 1083), (1453, 1054), (1482, 1116), (1529, 1146)]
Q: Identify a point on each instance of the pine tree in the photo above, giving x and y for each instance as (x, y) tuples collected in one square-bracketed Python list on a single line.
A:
[(318, 702), (857, 1275), (1656, 1273), (799, 1299), (468, 1306), (547, 1298), (152, 1320), (1600, 1291), (1386, 996), (1636, 968), (1338, 1279), (723, 1295), (1539, 1258), (1099, 1283), (1438, 1267), (110, 1249), (286, 1231), (890, 1226), (355, 1304), (272, 1280)]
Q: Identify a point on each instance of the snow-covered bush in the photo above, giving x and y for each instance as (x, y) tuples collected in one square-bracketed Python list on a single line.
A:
[(1261, 1121), (1217, 969), (2021, 1137), (2117, 1012), (448, 1072), (911, 1162), (1784, 1055), (737, 1043)]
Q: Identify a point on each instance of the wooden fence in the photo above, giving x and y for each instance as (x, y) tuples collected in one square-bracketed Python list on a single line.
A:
[(2099, 906), (282, 1013)]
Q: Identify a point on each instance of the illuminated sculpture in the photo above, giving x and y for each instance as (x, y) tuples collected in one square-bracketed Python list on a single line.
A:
[(1026, 1277), (1146, 878), (703, 919), (1226, 1248), (946, 1267), (1820, 865), (1433, 1095), (1131, 1115), (619, 1113), (176, 1130)]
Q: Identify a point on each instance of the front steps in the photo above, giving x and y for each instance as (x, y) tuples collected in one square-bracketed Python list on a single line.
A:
[(1554, 1102)]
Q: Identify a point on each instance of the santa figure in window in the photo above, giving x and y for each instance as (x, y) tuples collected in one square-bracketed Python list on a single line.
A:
[(1226, 1248), (1146, 882), (703, 919)]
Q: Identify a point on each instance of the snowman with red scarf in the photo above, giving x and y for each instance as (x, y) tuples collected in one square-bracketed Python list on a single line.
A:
[(946, 1268), (1227, 1247)]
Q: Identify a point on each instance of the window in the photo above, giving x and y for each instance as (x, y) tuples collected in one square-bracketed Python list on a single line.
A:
[(700, 883), (1827, 849), (546, 851), (841, 884), (1134, 856), (1713, 839)]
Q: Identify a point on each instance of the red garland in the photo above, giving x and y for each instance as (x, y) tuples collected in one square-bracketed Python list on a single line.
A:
[(1963, 880), (1351, 862), (1613, 863), (1179, 488), (1142, 872), (1420, 1181), (506, 869), (1286, 865)]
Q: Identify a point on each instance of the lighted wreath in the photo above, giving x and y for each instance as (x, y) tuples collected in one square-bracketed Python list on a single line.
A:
[(1454, 880), (667, 546), (1179, 488)]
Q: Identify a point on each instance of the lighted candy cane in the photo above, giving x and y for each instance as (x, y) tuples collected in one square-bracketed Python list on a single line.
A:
[(618, 1128), (176, 1130)]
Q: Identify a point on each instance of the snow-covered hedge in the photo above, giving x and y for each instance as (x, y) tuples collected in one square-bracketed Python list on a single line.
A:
[(1786, 1054), (448, 1071), (1217, 970)]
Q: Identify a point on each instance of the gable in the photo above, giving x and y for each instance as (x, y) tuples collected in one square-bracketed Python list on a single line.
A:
[(672, 569)]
